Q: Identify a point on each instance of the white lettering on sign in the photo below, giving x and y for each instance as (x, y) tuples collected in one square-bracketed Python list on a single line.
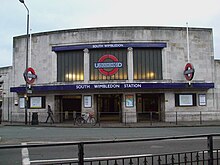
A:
[(109, 86), (132, 85), (108, 46), (97, 46), (82, 86), (113, 45), (108, 65)]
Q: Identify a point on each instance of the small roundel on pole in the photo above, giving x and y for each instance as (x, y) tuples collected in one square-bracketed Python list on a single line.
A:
[(189, 71), (30, 75)]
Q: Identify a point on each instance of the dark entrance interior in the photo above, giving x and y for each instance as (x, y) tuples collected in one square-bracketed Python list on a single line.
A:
[(71, 107), (149, 107), (109, 107)]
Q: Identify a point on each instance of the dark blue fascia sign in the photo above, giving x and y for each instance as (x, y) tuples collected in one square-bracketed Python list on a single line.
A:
[(109, 45), (81, 87)]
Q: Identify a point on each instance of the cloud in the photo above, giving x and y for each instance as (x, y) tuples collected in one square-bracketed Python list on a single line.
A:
[(158, 12)]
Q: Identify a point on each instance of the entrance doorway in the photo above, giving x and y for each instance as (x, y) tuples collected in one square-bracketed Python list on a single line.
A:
[(109, 107), (71, 107), (149, 107)]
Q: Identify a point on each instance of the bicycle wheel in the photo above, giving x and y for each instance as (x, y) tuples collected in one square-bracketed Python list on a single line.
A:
[(79, 120), (92, 121)]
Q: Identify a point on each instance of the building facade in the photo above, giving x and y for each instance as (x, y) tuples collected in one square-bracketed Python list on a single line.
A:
[(6, 97), (123, 74)]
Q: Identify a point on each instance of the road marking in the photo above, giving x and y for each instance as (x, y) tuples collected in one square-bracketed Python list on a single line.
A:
[(25, 155), (54, 161)]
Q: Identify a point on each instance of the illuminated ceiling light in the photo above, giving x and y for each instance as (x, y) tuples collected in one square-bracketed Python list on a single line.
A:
[(70, 76), (150, 75), (81, 77)]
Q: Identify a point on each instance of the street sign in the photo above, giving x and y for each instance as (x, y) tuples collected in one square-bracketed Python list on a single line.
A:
[(189, 71), (29, 89), (30, 75)]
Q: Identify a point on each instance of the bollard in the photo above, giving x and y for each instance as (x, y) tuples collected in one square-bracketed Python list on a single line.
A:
[(11, 118), (151, 118), (200, 117), (74, 117), (176, 118), (29, 118), (0, 115), (125, 119)]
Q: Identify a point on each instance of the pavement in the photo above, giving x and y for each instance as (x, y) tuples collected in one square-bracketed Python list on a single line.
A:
[(120, 125)]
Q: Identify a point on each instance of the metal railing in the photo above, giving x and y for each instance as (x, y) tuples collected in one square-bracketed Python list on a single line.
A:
[(150, 118), (208, 156)]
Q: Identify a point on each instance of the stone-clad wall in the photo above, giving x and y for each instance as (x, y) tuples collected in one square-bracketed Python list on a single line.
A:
[(43, 60), (174, 56)]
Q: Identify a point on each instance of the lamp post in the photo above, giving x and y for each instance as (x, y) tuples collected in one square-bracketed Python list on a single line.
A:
[(26, 65)]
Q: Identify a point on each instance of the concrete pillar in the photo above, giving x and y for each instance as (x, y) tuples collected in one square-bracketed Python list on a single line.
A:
[(86, 65), (130, 64), (129, 113)]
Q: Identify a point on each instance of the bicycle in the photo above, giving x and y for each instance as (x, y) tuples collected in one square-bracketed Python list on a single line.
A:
[(86, 118)]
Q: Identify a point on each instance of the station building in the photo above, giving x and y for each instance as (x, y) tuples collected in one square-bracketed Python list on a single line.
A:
[(6, 97), (123, 74)]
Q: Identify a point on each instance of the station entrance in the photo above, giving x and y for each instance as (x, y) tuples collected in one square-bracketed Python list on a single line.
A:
[(149, 107), (71, 107), (109, 107)]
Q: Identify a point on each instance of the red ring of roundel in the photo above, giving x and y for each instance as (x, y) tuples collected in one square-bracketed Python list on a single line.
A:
[(113, 71), (32, 72), (189, 78)]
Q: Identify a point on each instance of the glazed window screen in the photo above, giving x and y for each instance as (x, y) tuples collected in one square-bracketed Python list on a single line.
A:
[(185, 99), (120, 54), (70, 66), (147, 64)]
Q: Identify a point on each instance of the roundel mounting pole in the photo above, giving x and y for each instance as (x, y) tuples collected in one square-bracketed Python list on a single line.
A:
[(27, 42), (187, 40), (189, 69)]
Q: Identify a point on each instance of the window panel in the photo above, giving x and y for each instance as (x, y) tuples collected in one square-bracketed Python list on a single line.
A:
[(70, 66), (147, 64), (185, 99), (38, 102)]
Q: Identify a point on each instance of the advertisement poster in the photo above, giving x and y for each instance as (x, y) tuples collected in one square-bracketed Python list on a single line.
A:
[(129, 100), (22, 102), (87, 101), (202, 99)]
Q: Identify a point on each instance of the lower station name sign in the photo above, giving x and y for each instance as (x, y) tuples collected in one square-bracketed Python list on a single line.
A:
[(109, 86)]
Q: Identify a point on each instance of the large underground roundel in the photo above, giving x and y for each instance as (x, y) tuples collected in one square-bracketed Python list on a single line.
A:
[(108, 65)]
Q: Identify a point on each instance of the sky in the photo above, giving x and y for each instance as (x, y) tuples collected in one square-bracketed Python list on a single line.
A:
[(50, 15)]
